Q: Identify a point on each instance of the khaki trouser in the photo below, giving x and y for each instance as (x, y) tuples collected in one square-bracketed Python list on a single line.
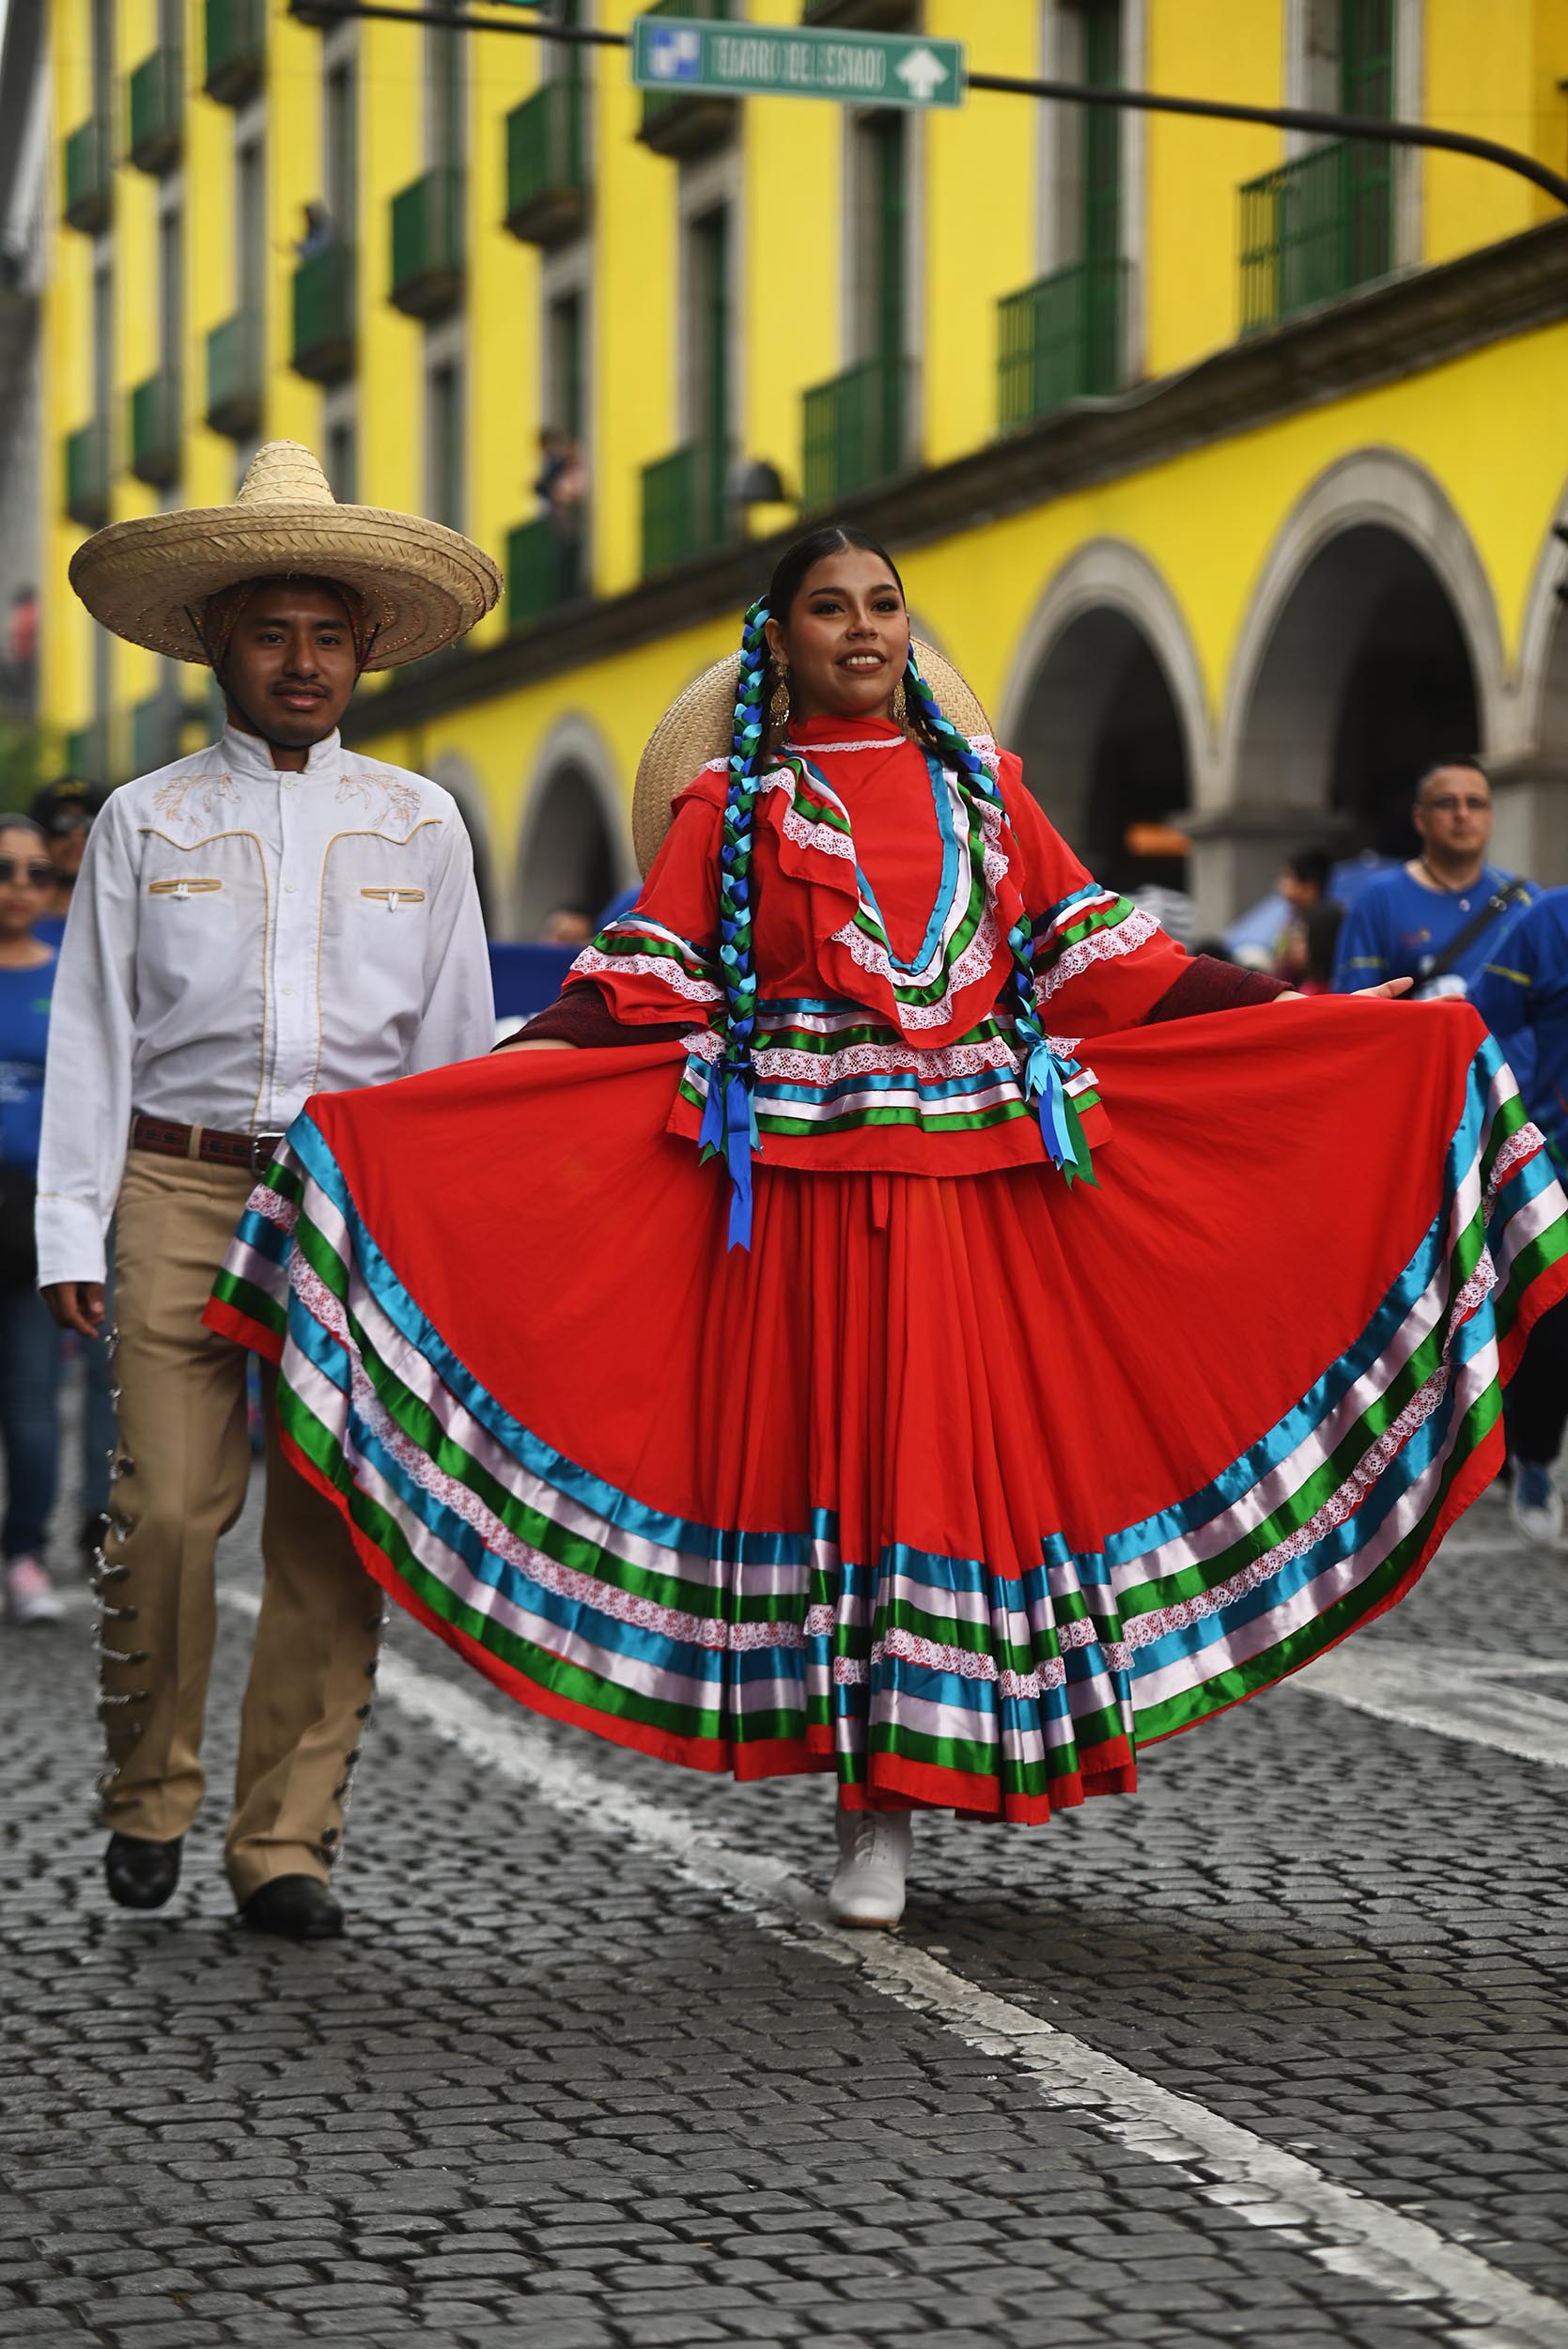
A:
[(180, 1476)]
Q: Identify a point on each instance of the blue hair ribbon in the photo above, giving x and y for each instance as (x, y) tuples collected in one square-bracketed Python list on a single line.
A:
[(1044, 1079), (729, 1130)]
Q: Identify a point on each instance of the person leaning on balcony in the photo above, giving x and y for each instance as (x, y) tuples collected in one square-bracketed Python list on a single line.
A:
[(267, 917)]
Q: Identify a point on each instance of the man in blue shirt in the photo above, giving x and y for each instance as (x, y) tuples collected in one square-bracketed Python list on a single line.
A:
[(1522, 994), (1439, 918)]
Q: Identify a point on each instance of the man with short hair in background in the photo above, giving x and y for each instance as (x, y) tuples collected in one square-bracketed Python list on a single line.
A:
[(1438, 918)]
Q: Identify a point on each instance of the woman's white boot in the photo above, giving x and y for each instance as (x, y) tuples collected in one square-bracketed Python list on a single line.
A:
[(873, 1859)]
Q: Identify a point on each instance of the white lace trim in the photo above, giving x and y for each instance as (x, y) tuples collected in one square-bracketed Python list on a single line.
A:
[(1522, 1143), (568, 1583), (1476, 1290), (822, 837), (984, 743), (779, 1065), (592, 964), (273, 1208), (1143, 1630), (1101, 946), (972, 965)]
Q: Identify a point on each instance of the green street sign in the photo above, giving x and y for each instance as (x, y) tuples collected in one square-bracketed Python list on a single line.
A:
[(684, 56)]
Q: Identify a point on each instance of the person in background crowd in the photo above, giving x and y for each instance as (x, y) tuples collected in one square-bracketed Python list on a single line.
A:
[(1440, 917), (268, 916), (1522, 993), (66, 812), (29, 1341), (1321, 926), (1303, 883), (565, 925), (22, 650)]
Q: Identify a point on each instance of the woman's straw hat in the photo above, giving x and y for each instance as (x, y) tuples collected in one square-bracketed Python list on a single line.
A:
[(699, 726), (422, 583)]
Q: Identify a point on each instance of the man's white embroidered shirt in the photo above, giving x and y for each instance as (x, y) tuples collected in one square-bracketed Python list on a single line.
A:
[(241, 937)]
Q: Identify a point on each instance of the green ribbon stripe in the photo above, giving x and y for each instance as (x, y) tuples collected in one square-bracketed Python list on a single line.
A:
[(1326, 1480), (1244, 1680), (578, 1551)]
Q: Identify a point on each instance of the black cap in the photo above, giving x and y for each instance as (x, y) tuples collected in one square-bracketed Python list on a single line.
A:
[(58, 805)]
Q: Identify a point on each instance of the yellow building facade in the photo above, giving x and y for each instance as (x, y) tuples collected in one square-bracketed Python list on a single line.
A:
[(1225, 461)]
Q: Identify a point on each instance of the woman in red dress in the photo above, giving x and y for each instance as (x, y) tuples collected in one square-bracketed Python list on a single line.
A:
[(1035, 1368)]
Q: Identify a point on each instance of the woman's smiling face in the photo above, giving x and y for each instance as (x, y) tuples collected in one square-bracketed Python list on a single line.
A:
[(845, 638)]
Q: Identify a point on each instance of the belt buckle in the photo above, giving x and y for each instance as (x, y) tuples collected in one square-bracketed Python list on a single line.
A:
[(263, 1148)]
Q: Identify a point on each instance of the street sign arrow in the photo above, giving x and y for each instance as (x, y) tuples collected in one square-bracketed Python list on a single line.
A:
[(700, 58)]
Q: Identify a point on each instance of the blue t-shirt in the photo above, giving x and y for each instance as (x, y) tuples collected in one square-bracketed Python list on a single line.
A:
[(1522, 994), (1396, 925), (25, 1000), (50, 928)]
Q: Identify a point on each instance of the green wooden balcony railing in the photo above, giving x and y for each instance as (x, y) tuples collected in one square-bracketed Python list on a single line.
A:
[(157, 109), (155, 428), (88, 174), (236, 48), (324, 315), (685, 506), (427, 244), (1060, 339), (86, 482), (546, 567), (234, 375), (546, 161), (855, 431), (1314, 229), (677, 123)]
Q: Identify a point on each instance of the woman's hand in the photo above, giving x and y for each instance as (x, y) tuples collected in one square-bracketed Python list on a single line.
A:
[(1389, 987)]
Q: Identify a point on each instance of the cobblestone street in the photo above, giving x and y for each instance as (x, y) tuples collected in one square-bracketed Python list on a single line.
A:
[(1274, 2052)]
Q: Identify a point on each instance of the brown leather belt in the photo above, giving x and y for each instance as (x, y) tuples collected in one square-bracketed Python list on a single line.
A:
[(254, 1153)]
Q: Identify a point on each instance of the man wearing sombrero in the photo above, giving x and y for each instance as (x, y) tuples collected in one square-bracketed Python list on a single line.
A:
[(270, 916)]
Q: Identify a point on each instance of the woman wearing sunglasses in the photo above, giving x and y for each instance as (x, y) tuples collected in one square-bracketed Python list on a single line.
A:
[(29, 1341)]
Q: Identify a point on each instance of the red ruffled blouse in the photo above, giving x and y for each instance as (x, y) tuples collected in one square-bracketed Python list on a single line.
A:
[(883, 899)]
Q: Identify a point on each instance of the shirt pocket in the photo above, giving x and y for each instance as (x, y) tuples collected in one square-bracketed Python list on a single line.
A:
[(394, 899), (188, 885)]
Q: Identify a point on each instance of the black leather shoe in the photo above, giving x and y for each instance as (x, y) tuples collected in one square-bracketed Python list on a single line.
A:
[(139, 1873), (298, 1906)]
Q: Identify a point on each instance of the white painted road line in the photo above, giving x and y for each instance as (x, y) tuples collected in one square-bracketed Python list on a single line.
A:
[(1270, 2188), (1453, 1692)]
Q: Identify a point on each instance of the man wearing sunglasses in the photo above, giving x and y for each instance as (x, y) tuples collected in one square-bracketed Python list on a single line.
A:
[(1439, 918), (64, 812)]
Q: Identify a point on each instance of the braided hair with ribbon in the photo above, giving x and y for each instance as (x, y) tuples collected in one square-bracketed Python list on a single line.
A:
[(729, 1127), (1045, 1073)]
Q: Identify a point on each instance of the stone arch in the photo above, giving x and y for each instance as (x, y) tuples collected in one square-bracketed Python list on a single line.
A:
[(452, 771), (1544, 656), (1104, 703), (1372, 645), (574, 849)]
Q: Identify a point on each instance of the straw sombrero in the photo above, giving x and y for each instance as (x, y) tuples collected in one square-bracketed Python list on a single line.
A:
[(699, 725), (422, 584)]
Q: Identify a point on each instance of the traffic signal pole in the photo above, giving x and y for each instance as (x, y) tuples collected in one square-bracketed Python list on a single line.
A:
[(1371, 128)]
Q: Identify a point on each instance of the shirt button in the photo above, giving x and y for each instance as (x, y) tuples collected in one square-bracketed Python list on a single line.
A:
[(288, 783), (288, 987), (290, 889)]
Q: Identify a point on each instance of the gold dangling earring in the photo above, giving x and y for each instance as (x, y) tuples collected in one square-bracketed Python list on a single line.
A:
[(898, 709), (778, 709)]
